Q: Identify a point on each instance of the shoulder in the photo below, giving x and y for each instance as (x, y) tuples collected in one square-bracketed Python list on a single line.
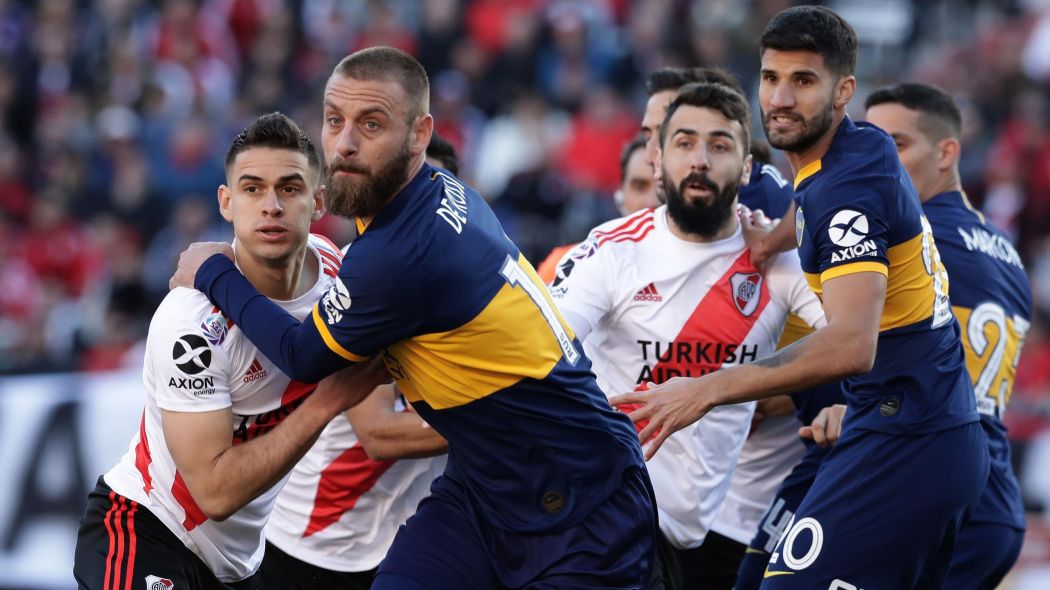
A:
[(632, 229)]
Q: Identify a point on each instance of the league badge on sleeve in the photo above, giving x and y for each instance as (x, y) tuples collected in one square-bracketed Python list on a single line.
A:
[(335, 302), (800, 225), (214, 328)]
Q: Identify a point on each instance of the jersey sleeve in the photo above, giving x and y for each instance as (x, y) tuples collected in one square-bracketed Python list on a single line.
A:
[(190, 374), (582, 287), (372, 304), (849, 225)]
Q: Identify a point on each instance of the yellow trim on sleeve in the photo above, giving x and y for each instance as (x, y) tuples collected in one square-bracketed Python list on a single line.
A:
[(853, 267), (334, 346), (807, 171)]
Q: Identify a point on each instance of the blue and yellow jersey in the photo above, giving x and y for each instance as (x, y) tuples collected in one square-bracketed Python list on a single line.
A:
[(858, 212), (768, 190), (477, 346), (992, 299)]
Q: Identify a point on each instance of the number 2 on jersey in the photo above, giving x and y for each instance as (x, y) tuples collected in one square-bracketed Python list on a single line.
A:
[(517, 277), (992, 356)]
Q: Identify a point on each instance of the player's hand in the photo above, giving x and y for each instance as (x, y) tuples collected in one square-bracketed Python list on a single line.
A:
[(826, 427), (669, 407), (757, 229), (191, 260), (347, 387)]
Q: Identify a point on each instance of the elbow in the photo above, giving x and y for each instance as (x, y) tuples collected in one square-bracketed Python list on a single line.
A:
[(375, 449), (218, 508), (860, 358)]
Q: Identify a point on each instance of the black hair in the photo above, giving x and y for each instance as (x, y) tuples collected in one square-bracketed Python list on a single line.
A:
[(441, 150), (816, 29), (670, 78), (718, 97), (939, 115), (638, 143), (274, 130)]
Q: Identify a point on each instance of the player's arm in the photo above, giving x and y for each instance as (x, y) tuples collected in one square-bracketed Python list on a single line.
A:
[(306, 351), (223, 478), (387, 434), (844, 347)]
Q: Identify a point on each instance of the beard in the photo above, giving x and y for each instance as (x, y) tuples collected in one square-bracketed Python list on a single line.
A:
[(696, 217), (349, 196), (812, 129)]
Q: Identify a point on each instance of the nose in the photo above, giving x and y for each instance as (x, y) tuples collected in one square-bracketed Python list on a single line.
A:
[(346, 144), (782, 97), (271, 205), (698, 162)]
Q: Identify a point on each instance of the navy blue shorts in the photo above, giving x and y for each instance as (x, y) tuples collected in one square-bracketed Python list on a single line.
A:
[(984, 554), (447, 546), (883, 512), (783, 507)]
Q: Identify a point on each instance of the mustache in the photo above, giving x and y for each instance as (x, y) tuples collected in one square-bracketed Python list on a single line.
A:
[(700, 178), (341, 165)]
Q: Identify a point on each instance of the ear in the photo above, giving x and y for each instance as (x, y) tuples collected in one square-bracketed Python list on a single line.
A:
[(423, 128), (225, 205), (948, 151), (745, 175), (847, 87), (319, 202)]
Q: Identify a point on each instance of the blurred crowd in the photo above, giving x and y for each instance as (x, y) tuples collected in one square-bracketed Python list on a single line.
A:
[(115, 116)]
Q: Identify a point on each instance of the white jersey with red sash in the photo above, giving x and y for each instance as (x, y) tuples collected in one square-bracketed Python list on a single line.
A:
[(197, 361), (650, 306)]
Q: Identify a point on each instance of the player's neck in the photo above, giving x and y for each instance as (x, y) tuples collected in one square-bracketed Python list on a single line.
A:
[(945, 183), (280, 280), (801, 159), (726, 230)]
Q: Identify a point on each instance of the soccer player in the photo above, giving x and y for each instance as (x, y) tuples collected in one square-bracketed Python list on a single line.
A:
[(637, 191), (670, 292), (991, 298), (869, 253), (185, 507), (545, 483), (337, 516)]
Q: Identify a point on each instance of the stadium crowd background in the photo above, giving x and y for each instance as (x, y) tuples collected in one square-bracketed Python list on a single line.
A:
[(115, 115)]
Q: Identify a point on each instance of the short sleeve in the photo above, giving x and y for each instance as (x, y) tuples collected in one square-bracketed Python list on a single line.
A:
[(190, 373), (375, 302), (848, 223), (582, 286)]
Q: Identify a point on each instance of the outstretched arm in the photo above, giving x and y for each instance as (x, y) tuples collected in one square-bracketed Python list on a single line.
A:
[(299, 349), (844, 347)]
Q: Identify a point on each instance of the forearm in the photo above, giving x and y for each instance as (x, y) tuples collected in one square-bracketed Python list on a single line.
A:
[(826, 355), (244, 472), (781, 239), (296, 348), (402, 435)]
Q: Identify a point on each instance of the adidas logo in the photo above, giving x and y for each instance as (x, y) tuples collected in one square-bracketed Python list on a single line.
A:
[(255, 372), (648, 293)]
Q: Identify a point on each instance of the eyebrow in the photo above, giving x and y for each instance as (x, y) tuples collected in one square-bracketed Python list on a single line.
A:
[(694, 133), (802, 72), (282, 180)]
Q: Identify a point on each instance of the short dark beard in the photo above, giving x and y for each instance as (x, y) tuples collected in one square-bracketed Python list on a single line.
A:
[(700, 219), (812, 130), (363, 197)]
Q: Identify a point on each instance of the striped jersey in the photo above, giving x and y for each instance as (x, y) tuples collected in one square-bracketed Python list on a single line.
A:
[(858, 212), (340, 509), (650, 307), (198, 361)]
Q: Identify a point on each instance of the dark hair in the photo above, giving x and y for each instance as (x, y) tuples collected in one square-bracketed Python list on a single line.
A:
[(674, 78), (390, 64), (939, 115), (717, 97), (760, 153), (638, 143), (274, 130), (816, 29), (441, 150)]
